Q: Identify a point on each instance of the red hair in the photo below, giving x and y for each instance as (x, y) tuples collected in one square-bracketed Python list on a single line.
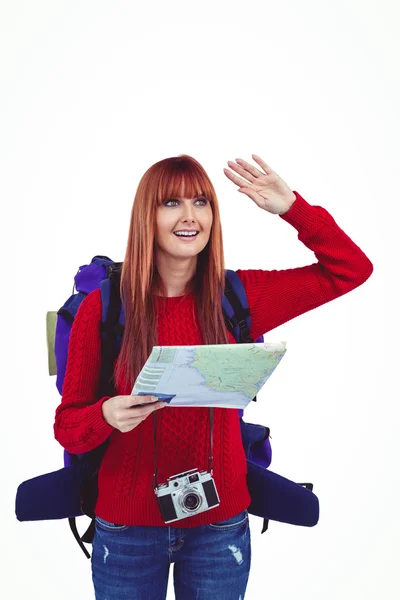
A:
[(139, 277)]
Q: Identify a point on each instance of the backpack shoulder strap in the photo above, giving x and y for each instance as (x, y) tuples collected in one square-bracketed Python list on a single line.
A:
[(111, 326), (236, 312), (111, 332), (236, 308)]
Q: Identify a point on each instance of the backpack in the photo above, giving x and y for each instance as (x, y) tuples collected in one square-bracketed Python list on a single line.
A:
[(72, 491)]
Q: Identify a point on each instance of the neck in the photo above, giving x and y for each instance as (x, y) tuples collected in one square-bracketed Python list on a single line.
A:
[(175, 273)]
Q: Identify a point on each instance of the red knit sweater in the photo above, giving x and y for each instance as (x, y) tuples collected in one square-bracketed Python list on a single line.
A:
[(126, 495)]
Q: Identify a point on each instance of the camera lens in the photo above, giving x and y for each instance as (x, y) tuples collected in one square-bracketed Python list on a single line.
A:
[(192, 501)]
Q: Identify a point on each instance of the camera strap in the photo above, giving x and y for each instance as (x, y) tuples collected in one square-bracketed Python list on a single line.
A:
[(210, 458)]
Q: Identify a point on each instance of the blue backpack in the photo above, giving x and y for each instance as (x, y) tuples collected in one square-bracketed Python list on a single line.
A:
[(72, 490)]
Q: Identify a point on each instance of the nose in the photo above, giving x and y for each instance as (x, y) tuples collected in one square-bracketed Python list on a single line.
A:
[(188, 213)]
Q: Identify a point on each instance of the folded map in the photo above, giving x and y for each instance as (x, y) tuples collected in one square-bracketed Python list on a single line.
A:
[(219, 375)]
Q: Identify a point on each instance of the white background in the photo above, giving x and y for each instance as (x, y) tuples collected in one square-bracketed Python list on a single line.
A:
[(95, 92)]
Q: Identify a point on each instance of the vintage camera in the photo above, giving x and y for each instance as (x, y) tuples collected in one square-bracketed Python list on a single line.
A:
[(186, 494)]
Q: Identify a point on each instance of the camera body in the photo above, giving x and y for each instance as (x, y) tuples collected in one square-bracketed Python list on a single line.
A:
[(186, 494)]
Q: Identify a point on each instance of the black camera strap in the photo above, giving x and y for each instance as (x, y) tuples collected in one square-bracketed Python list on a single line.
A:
[(210, 458)]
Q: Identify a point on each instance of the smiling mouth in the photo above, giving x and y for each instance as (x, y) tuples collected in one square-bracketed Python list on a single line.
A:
[(186, 237)]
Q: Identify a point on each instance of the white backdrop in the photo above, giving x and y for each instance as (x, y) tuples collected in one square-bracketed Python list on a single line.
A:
[(93, 93)]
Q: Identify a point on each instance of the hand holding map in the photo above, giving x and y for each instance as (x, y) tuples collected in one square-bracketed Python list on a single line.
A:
[(219, 375)]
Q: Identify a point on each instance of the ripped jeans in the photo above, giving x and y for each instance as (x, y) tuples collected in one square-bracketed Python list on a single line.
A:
[(210, 561)]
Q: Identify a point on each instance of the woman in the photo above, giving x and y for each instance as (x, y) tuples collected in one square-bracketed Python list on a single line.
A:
[(171, 286)]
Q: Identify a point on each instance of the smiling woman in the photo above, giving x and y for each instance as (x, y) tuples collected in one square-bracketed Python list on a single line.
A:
[(171, 287)]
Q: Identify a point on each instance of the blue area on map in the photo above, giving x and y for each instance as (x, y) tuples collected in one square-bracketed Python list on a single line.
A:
[(162, 397)]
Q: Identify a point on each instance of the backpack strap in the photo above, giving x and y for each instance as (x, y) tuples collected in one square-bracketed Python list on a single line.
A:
[(238, 319), (112, 327), (79, 539), (236, 312), (111, 331), (236, 308)]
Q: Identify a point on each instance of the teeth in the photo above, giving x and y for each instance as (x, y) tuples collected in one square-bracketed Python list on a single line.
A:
[(185, 234)]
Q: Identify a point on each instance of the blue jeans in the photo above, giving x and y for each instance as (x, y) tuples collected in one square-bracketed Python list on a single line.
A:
[(211, 561)]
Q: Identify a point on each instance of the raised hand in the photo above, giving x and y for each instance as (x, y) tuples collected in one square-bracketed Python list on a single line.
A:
[(265, 187)]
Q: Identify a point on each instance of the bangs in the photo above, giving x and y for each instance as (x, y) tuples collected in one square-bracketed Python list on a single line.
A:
[(180, 171)]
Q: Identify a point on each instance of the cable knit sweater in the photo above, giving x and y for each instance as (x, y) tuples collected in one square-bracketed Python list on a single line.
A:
[(126, 495)]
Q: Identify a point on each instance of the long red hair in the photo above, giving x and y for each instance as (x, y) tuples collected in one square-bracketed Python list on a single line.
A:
[(139, 277)]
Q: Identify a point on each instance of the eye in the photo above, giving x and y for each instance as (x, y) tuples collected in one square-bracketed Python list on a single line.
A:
[(203, 201)]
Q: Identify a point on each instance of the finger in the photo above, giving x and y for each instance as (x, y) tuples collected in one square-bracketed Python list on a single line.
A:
[(144, 411), (238, 180), (241, 171), (137, 419), (131, 422), (263, 164), (255, 172), (136, 399), (259, 200), (128, 427)]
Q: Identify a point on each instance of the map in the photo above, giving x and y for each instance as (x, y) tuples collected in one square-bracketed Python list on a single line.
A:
[(220, 375)]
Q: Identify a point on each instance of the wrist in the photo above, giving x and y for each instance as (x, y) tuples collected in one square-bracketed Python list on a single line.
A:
[(104, 410), (291, 201)]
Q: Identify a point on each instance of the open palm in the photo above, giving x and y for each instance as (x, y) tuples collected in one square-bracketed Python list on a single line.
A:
[(265, 187)]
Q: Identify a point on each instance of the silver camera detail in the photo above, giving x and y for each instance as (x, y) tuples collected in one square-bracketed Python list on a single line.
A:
[(186, 494)]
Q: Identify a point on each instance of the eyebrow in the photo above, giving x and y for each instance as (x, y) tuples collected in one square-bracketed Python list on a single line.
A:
[(194, 198)]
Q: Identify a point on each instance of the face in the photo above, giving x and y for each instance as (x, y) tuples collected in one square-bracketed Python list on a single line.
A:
[(185, 215)]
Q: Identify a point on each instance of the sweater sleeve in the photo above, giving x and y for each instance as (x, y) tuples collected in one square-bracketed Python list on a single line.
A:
[(280, 295), (79, 424)]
